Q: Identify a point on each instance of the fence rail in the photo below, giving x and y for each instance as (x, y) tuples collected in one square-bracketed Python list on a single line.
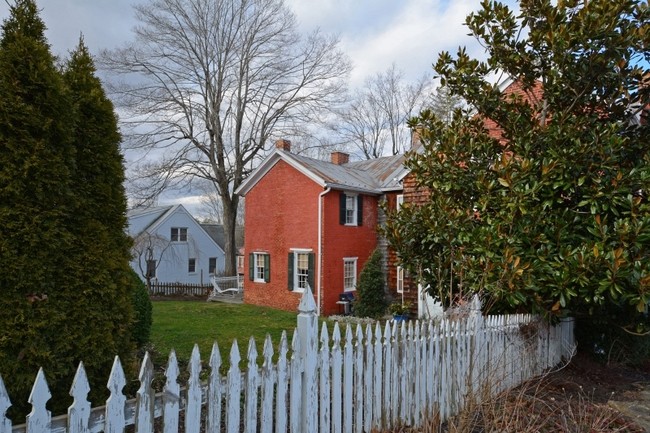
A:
[(354, 381), (178, 289)]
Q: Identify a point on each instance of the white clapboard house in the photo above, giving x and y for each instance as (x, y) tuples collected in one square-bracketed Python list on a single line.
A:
[(170, 246)]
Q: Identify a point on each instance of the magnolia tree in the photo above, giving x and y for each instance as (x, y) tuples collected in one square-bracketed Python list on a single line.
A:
[(547, 209)]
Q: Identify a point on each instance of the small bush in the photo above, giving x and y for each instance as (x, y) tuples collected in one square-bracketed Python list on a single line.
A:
[(142, 308), (371, 299)]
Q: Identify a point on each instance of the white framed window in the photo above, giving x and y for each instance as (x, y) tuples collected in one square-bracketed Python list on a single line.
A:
[(301, 266), (259, 267), (212, 265), (191, 265), (349, 274), (400, 279), (399, 201), (301, 269), (350, 210), (179, 234)]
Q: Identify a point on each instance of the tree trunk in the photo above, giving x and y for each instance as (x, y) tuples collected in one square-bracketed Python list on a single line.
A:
[(229, 225)]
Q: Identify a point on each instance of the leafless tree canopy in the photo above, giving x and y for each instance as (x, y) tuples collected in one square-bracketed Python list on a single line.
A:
[(375, 121), (208, 83)]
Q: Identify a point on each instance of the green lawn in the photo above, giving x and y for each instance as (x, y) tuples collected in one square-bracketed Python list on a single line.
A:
[(181, 324)]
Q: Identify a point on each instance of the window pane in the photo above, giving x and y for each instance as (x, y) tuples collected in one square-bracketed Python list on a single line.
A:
[(259, 267), (349, 275), (350, 209), (302, 270), (183, 235), (191, 265), (174, 234), (212, 265)]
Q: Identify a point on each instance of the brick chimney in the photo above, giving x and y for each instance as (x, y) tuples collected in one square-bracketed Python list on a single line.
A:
[(283, 144), (340, 158)]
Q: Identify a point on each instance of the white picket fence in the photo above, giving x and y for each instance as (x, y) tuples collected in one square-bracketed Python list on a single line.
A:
[(371, 379)]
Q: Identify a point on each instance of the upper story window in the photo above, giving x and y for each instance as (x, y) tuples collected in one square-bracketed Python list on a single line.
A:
[(301, 270), (351, 209), (259, 267), (179, 234)]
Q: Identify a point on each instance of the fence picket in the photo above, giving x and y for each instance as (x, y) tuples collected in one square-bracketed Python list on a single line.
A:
[(336, 382), (213, 419), (233, 391), (377, 382), (324, 381), (193, 405), (348, 375), (115, 416), (39, 419), (144, 398), (171, 395), (368, 377), (295, 385), (250, 401), (358, 381), (386, 420), (282, 388), (79, 411), (266, 421), (5, 403)]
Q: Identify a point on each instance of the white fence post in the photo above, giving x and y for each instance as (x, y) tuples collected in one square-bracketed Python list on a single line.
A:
[(308, 333)]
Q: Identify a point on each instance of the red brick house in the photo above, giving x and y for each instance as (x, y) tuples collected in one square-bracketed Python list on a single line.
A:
[(312, 222)]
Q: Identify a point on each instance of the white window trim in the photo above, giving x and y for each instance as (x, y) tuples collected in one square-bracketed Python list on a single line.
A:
[(256, 278), (354, 285), (355, 209), (296, 251), (400, 279), (178, 234), (399, 201)]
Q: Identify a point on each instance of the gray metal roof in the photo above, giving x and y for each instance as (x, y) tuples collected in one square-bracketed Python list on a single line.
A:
[(374, 176)]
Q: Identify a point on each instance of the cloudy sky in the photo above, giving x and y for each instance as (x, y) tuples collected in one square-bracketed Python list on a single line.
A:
[(374, 33)]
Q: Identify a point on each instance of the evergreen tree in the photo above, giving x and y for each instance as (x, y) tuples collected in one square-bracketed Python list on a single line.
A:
[(63, 255), (36, 198), (98, 226), (371, 301)]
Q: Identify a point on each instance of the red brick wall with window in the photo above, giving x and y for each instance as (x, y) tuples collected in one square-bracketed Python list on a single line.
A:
[(341, 241), (281, 213)]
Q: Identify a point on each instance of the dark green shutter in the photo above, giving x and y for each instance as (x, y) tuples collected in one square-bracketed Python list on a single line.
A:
[(342, 209), (251, 266), (290, 272), (311, 274), (267, 268), (359, 210)]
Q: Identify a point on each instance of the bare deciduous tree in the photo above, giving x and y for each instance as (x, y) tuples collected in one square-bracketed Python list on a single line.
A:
[(208, 83), (376, 118)]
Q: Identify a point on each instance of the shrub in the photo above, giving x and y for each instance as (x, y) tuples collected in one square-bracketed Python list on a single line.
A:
[(142, 309), (371, 299)]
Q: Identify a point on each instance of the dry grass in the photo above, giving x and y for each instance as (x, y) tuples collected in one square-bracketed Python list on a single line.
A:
[(533, 407)]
